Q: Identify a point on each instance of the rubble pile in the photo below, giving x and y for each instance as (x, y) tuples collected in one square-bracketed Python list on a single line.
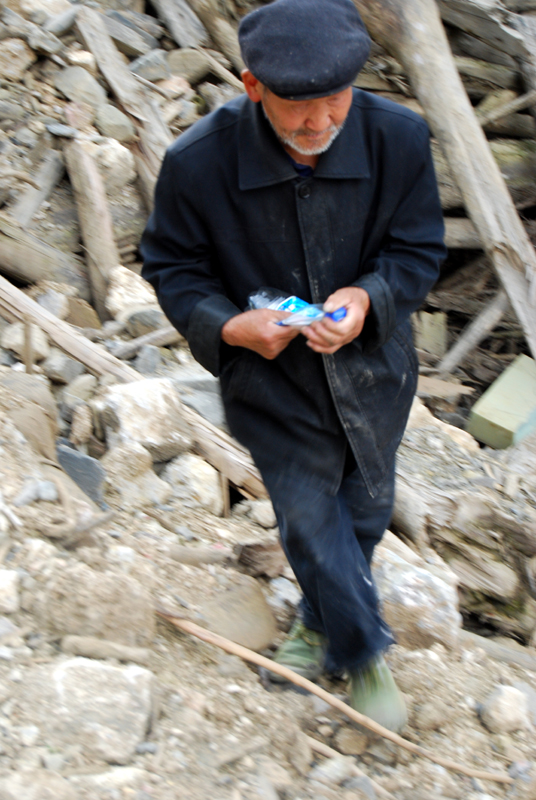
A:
[(121, 492)]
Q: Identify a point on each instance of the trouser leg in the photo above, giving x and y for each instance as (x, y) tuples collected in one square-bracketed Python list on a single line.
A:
[(320, 535)]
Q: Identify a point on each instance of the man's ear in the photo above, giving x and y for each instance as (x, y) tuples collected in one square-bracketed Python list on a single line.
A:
[(252, 85)]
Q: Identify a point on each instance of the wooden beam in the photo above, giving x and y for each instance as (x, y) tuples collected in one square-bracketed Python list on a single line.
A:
[(413, 32), (48, 176), (185, 27), (95, 221)]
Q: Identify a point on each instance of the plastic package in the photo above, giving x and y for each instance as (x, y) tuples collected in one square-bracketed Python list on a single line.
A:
[(301, 313)]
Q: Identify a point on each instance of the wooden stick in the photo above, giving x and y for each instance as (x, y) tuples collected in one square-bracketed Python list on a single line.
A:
[(328, 752), (413, 32), (248, 655), (521, 102), (95, 221), (28, 347), (160, 338), (475, 332), (49, 174)]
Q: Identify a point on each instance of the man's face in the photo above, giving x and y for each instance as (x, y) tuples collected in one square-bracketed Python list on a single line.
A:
[(307, 126)]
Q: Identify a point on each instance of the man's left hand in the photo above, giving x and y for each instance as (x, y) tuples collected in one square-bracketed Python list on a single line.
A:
[(328, 336)]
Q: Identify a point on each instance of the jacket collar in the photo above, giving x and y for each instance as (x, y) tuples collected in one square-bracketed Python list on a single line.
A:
[(263, 162)]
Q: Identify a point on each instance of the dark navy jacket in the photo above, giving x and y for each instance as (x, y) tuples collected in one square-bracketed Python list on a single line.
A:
[(231, 215)]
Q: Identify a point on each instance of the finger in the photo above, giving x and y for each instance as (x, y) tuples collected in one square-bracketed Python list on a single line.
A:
[(322, 349)]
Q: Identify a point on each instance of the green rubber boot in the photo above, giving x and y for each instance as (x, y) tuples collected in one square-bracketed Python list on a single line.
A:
[(373, 692), (303, 652)]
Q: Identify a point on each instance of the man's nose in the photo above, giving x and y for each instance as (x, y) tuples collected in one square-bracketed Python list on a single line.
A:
[(319, 120)]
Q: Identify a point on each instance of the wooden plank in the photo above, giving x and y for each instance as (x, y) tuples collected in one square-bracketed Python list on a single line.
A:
[(126, 39), (154, 134), (486, 20), (461, 234), (27, 259), (159, 338), (185, 27), (95, 221), (410, 27), (48, 176)]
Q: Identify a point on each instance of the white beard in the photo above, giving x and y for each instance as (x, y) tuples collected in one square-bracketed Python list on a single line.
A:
[(291, 139)]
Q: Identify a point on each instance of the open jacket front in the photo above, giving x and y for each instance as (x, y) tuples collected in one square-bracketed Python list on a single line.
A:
[(231, 215)]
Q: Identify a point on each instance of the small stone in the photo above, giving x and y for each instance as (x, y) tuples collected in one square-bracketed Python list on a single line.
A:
[(78, 391), (147, 412), (77, 84), (60, 24), (25, 137), (7, 359), (29, 735), (110, 121), (85, 471), (153, 66), (128, 291), (82, 314), (58, 129), (81, 425), (48, 8), (262, 512), (116, 165), (361, 788), (350, 742), (11, 111), (195, 481), (53, 761), (55, 303), (46, 490), (285, 594), (15, 58), (129, 472), (13, 339), (505, 710), (144, 320), (333, 770), (80, 116), (83, 58), (192, 65), (431, 716), (148, 360), (9, 591), (530, 694), (146, 747), (384, 752), (107, 730), (60, 368)]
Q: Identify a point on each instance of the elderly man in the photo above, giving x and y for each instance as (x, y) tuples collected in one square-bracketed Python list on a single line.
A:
[(318, 190)]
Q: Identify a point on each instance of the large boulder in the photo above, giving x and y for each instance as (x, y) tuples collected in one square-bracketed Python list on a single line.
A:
[(195, 482)]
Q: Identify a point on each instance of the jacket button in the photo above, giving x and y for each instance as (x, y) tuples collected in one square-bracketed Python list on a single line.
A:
[(304, 190)]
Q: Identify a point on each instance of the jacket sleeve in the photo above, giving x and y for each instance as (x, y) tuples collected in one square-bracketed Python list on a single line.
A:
[(178, 260), (402, 273)]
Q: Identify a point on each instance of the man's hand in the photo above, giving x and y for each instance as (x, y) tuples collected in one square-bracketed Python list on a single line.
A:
[(328, 336), (257, 330)]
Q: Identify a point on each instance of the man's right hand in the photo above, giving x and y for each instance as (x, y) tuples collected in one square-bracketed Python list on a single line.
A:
[(257, 330)]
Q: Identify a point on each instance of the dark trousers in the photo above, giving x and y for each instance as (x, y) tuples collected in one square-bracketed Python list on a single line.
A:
[(329, 541)]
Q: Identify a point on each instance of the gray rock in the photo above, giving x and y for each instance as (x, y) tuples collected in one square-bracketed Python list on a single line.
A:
[(285, 594), (13, 339), (60, 24), (78, 85), (9, 591), (195, 482), (148, 360), (7, 359), (145, 320), (110, 121), (55, 302), (25, 137), (200, 390), (11, 111), (102, 708), (147, 412), (530, 694), (39, 40), (60, 368), (129, 472), (433, 715), (505, 710), (35, 785), (334, 770), (193, 65), (36, 490), (112, 605), (116, 165), (15, 58), (80, 390), (153, 66), (58, 129), (362, 785), (85, 471)]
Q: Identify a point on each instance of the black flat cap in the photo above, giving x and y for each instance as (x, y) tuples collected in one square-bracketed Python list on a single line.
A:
[(302, 49)]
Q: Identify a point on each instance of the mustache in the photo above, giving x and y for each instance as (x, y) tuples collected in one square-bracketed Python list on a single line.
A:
[(308, 132)]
